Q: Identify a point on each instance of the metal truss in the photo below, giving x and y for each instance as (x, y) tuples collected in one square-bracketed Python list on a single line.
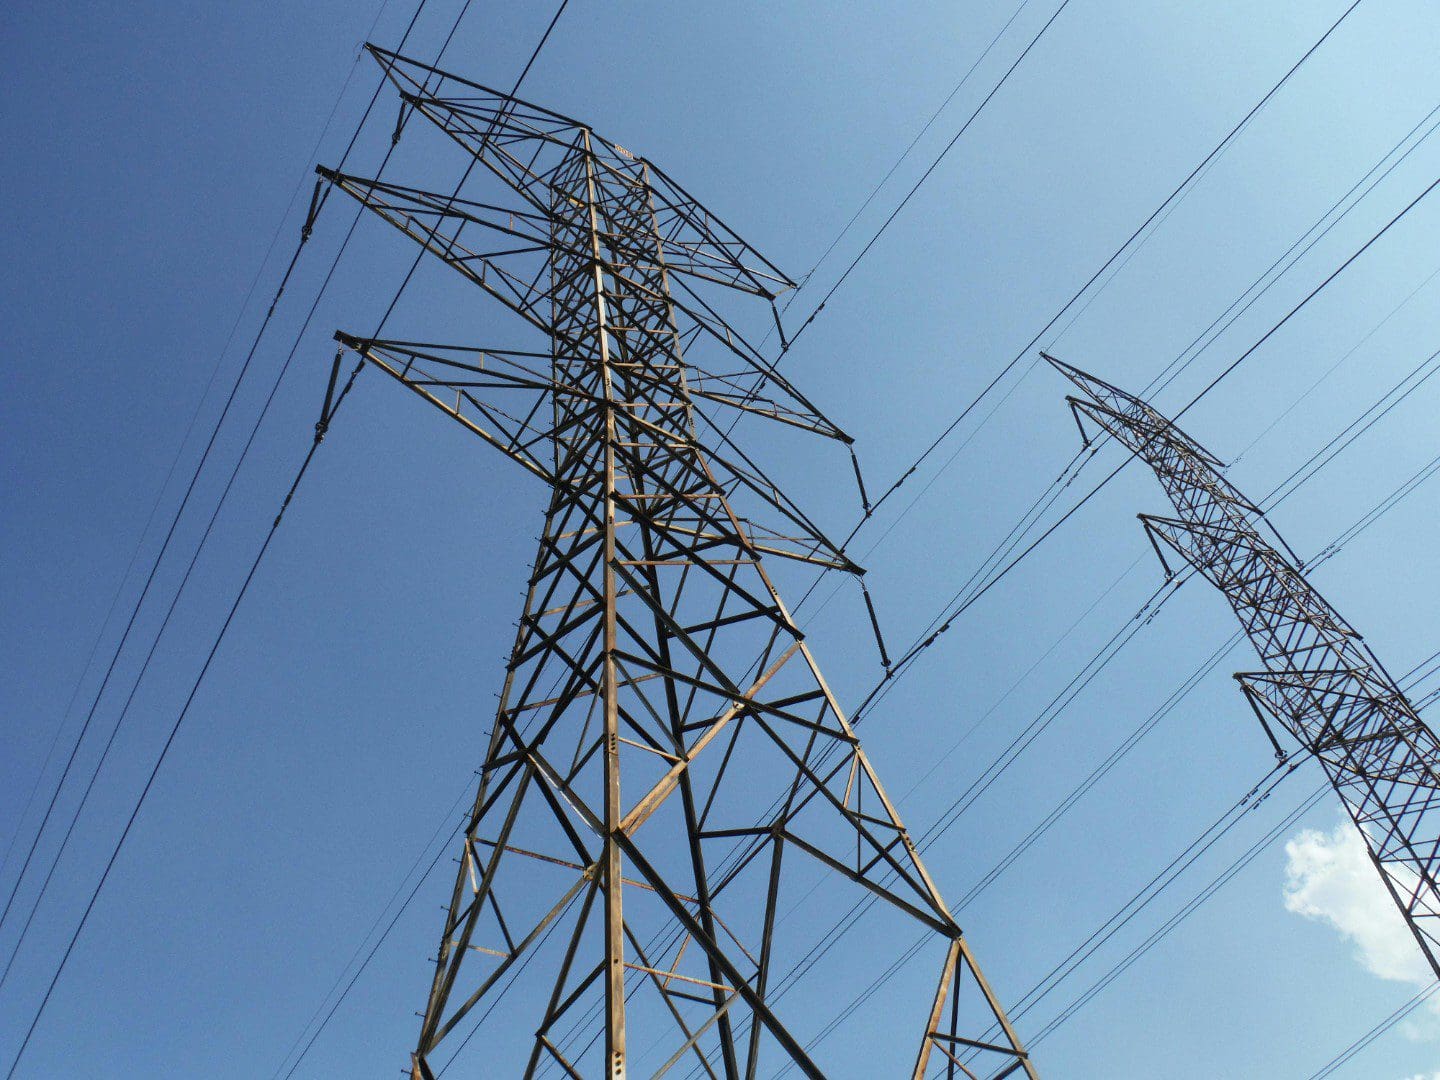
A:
[(666, 753), (1321, 684)]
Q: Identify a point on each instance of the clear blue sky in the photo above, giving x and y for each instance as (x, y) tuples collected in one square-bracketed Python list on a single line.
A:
[(149, 151)]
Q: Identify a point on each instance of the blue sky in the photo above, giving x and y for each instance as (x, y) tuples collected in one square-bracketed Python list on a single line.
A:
[(149, 156)]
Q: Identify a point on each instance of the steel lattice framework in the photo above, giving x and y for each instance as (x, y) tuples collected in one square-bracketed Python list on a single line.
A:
[(665, 747), (1321, 683)]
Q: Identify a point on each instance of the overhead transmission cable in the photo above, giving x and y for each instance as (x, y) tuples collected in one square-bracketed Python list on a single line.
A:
[(895, 165), (1334, 214), (1146, 614), (1286, 261), (180, 448), (1142, 899), (1144, 225), (935, 164), (1188, 909), (274, 525), (1382, 1028), (174, 731), (317, 204), (174, 523), (389, 310), (831, 938), (960, 604)]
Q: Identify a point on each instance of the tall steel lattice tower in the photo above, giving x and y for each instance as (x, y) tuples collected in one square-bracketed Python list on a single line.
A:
[(1321, 682), (666, 755)]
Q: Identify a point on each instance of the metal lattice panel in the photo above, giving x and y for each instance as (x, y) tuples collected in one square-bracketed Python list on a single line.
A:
[(1321, 682), (665, 748)]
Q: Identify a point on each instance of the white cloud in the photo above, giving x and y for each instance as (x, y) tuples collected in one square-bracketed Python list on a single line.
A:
[(1329, 877)]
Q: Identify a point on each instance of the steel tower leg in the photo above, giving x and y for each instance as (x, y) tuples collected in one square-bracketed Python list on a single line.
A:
[(664, 735)]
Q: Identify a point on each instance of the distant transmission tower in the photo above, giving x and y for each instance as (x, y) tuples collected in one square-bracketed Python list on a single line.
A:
[(666, 756), (1321, 682)]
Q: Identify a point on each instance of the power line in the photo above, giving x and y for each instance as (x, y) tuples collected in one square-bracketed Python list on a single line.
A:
[(1194, 173), (1382, 1028), (1188, 909), (847, 922), (170, 738), (845, 274), (960, 603), (1187, 356), (874, 191), (1308, 297), (179, 511), (525, 71), (1150, 609), (1141, 899), (785, 344), (185, 438), (419, 881), (239, 462)]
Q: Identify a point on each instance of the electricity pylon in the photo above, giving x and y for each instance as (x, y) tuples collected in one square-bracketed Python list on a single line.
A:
[(1321, 683), (665, 753)]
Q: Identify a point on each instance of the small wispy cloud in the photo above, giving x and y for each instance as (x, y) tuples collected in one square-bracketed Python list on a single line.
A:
[(1329, 878)]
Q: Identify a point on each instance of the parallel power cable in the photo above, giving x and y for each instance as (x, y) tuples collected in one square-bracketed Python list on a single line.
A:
[(1307, 298), (1307, 470), (419, 881), (1185, 911), (1188, 909), (274, 387), (1154, 887), (380, 918), (234, 472), (1257, 289), (960, 604), (1330, 371), (1187, 858), (209, 445), (755, 388), (832, 937), (1176, 193), (525, 71), (184, 441), (1323, 226), (874, 191), (1382, 1028), (1315, 797), (935, 164), (175, 730), (1410, 681), (1251, 295)]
